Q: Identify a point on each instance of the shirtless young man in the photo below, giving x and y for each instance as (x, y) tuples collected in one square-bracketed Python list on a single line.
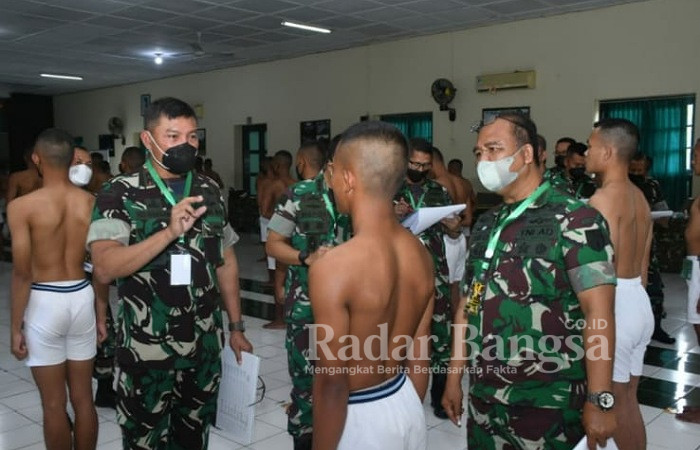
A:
[(23, 182), (691, 273), (455, 246), (611, 146), (53, 312), (262, 184), (382, 278), (281, 180)]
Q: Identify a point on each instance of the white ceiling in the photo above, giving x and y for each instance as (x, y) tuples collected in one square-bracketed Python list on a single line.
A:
[(113, 42)]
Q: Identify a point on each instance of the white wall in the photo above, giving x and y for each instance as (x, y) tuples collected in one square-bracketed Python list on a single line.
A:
[(635, 50)]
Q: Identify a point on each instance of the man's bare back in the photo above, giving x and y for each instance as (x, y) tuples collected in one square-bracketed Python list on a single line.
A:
[(624, 207), (386, 281), (272, 193), (692, 230), (50, 225), (22, 183)]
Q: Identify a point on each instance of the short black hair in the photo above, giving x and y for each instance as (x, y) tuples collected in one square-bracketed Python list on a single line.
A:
[(578, 148), (437, 155), (419, 144), (208, 162), (639, 156), (284, 158), (133, 158), (541, 142), (567, 140), (524, 130), (621, 134), (456, 161), (314, 153), (333, 146), (169, 107), (104, 167), (381, 168), (56, 147), (96, 156)]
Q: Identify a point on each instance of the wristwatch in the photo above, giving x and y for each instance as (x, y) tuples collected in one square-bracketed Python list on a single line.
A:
[(303, 254), (604, 400), (236, 326)]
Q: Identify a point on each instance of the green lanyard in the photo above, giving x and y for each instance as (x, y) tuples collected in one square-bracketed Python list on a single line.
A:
[(167, 192), (496, 232), (329, 206), (413, 202)]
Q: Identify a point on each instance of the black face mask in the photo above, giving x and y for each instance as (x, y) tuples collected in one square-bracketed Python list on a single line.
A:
[(637, 179), (416, 176), (178, 159), (559, 161), (577, 173)]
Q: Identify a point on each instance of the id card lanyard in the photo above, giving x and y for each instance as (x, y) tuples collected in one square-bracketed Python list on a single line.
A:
[(180, 263), (416, 205), (477, 290)]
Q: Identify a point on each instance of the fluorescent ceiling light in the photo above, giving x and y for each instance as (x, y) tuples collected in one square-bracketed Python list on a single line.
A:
[(62, 77), (306, 27), (158, 59)]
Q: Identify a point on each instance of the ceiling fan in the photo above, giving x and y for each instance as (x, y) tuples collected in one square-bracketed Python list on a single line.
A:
[(198, 50)]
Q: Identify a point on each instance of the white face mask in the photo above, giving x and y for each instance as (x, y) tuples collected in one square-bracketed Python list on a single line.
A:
[(496, 175), (80, 174)]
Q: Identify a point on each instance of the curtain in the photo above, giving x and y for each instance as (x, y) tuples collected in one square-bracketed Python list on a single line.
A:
[(663, 129), (412, 125)]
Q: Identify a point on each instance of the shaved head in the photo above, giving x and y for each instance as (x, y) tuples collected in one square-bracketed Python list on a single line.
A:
[(55, 147), (621, 134), (313, 154), (378, 154)]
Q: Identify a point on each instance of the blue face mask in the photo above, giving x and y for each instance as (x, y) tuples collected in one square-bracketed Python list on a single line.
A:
[(496, 175)]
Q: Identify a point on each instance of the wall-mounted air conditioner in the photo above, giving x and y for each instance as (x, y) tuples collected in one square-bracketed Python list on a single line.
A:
[(500, 81)]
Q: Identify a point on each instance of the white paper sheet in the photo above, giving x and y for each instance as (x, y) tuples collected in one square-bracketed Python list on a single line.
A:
[(234, 413), (661, 214), (583, 445), (423, 218)]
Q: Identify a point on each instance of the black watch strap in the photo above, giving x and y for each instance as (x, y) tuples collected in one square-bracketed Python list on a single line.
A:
[(303, 254)]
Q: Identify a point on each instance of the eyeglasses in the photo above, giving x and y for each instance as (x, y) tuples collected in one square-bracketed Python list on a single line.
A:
[(420, 165)]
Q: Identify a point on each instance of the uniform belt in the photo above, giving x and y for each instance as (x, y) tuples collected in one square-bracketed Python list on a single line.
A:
[(377, 393)]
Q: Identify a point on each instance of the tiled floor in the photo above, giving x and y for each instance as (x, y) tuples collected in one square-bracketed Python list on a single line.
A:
[(671, 379)]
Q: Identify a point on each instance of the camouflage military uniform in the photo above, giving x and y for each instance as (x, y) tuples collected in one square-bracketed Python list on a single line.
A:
[(580, 188), (303, 216), (531, 395), (429, 194), (655, 286), (169, 338)]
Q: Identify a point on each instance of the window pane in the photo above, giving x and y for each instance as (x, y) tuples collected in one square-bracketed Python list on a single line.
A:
[(254, 141), (254, 163)]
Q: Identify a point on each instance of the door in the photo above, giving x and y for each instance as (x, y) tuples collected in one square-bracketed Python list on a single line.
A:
[(254, 150)]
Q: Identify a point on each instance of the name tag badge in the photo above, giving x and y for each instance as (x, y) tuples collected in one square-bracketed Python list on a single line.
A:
[(180, 269), (475, 296)]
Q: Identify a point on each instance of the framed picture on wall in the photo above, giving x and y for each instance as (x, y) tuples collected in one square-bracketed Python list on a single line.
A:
[(145, 103), (488, 114), (313, 130), (202, 137)]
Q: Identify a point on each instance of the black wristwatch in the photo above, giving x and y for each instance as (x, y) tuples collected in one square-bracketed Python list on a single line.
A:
[(236, 326), (605, 400), (303, 254)]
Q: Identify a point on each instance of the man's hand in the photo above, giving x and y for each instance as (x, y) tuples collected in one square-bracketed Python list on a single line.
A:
[(19, 346), (183, 215), (599, 425), (322, 250), (402, 208), (101, 330), (452, 401), (453, 224), (239, 343)]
